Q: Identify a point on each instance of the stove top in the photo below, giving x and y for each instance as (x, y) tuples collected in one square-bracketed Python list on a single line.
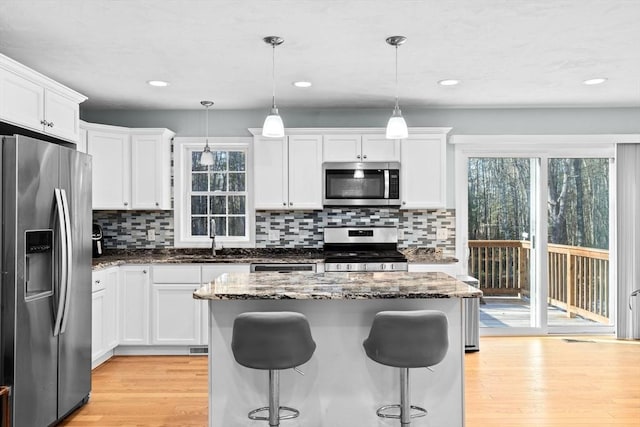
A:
[(363, 249)]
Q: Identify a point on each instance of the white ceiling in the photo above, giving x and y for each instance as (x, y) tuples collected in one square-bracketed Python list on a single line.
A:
[(507, 53)]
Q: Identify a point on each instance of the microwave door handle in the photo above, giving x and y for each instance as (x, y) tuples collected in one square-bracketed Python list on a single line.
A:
[(62, 289), (68, 260), (386, 183)]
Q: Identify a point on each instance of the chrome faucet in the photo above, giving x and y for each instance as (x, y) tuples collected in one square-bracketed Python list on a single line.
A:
[(212, 234)]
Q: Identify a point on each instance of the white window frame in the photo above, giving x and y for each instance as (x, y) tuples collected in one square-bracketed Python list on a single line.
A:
[(182, 147), (542, 147)]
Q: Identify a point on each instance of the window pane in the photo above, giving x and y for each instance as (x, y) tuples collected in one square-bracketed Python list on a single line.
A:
[(198, 205), (219, 161), (236, 226), (236, 161), (236, 181), (195, 162), (218, 182), (221, 225), (198, 226), (199, 182), (237, 205), (219, 205)]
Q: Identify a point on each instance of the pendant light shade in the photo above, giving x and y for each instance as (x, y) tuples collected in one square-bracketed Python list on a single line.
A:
[(273, 126), (396, 126), (206, 158)]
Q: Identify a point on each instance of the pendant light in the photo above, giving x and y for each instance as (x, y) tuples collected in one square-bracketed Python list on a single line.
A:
[(396, 126), (206, 158), (273, 126)]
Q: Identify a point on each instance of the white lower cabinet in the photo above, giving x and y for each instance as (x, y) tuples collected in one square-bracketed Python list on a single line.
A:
[(104, 313), (150, 309), (176, 316), (134, 305)]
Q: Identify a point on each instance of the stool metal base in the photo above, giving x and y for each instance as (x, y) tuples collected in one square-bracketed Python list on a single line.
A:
[(294, 413), (405, 406), (274, 408), (420, 412)]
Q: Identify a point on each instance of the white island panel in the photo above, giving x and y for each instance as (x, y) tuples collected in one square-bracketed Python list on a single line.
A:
[(341, 385)]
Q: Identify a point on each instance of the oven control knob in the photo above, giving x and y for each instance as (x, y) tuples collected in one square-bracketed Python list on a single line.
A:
[(383, 266), (348, 266), (338, 267)]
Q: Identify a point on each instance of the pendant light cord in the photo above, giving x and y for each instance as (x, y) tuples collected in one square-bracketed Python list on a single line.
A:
[(396, 76), (207, 124), (273, 76)]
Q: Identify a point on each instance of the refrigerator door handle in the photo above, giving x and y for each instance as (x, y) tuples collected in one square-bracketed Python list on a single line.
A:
[(62, 289), (68, 259)]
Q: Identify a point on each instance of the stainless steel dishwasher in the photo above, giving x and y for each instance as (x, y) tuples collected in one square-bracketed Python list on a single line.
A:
[(279, 267)]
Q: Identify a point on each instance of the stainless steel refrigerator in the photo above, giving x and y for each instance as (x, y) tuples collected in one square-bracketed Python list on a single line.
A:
[(46, 279)]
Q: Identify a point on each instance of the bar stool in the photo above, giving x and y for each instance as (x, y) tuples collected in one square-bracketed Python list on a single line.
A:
[(407, 339), (272, 341)]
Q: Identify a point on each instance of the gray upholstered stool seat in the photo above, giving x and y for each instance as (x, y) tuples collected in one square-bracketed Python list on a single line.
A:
[(407, 339), (272, 341)]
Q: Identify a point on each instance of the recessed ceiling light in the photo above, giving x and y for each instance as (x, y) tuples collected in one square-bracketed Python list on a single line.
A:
[(157, 83), (596, 81), (448, 82), (302, 84)]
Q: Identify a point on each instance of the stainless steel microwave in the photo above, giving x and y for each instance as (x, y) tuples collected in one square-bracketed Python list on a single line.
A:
[(361, 184)]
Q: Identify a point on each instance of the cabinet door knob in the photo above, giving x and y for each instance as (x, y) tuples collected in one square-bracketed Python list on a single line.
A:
[(358, 156), (290, 203), (364, 157), (284, 203), (50, 124), (126, 203), (157, 204), (404, 203), (97, 281), (43, 122), (144, 271)]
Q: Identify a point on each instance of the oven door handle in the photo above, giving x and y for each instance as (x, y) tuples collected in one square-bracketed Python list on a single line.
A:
[(386, 183)]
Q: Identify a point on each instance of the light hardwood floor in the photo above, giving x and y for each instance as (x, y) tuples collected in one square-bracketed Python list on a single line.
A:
[(511, 382)]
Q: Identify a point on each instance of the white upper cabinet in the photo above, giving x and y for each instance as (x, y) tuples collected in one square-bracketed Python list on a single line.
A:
[(271, 180), (288, 172), (110, 168), (131, 167), (360, 148), (30, 100), (423, 171), (305, 172), (150, 169)]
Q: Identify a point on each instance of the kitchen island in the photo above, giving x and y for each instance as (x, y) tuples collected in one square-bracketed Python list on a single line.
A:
[(341, 386)]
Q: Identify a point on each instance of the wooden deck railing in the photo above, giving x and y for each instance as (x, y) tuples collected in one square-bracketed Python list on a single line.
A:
[(578, 278)]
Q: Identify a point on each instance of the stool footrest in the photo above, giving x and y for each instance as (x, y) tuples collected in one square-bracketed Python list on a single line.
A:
[(293, 413), (381, 412)]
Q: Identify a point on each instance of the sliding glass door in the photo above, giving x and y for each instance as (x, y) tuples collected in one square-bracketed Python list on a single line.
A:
[(501, 235), (537, 236)]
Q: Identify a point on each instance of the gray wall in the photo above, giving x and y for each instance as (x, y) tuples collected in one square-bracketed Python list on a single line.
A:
[(463, 121)]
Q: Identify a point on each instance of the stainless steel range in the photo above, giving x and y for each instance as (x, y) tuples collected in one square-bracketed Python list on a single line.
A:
[(362, 249)]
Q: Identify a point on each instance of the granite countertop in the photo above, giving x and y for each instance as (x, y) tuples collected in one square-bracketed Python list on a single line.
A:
[(201, 256), (300, 286), (242, 256)]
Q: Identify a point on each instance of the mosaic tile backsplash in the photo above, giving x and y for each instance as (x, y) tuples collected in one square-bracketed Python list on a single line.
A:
[(299, 229), (128, 229), (288, 229)]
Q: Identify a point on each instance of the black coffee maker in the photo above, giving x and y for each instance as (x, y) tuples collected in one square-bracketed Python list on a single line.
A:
[(97, 240)]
